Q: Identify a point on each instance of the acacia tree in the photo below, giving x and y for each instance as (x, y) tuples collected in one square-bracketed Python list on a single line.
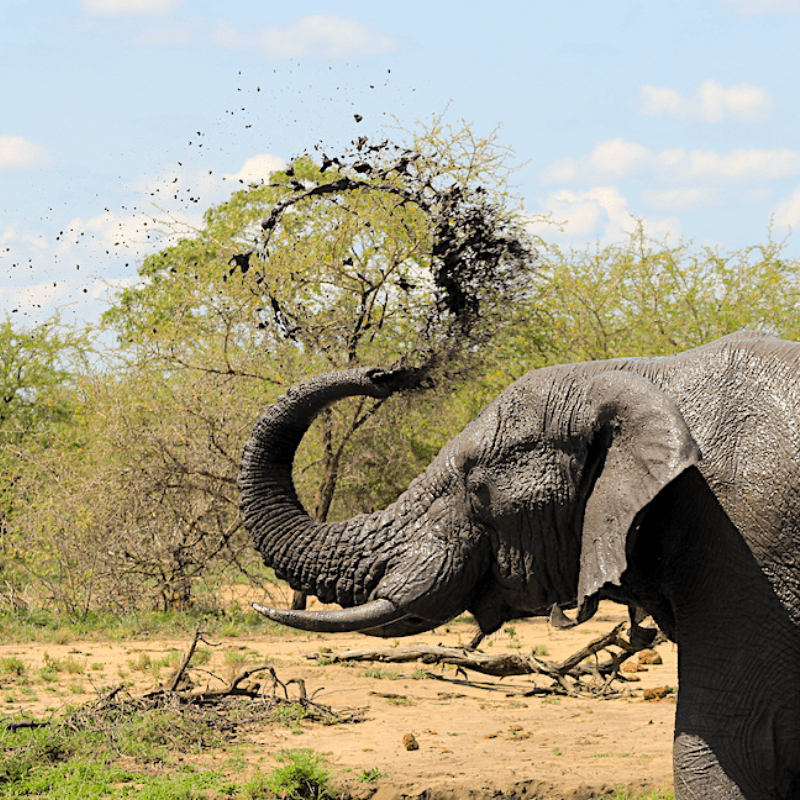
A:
[(383, 255)]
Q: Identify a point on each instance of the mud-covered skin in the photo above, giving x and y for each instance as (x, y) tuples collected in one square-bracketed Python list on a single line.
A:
[(584, 481)]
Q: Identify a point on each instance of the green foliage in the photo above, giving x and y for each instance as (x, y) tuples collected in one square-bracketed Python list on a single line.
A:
[(118, 471), (53, 626), (645, 298), (405, 259), (39, 412), (86, 779), (382, 674), (371, 775), (77, 760), (304, 776), (34, 381), (291, 714), (12, 665)]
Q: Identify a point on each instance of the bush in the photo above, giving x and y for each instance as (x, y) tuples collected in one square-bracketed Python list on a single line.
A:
[(304, 776)]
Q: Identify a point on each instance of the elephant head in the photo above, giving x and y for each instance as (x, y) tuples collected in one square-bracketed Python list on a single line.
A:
[(532, 507)]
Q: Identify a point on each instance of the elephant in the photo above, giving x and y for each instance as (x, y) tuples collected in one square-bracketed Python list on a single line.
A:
[(669, 483)]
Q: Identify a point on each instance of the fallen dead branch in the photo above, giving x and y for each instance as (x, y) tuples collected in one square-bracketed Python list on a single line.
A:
[(255, 696), (568, 676)]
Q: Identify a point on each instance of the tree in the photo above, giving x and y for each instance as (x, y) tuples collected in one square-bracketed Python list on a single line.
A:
[(37, 406), (642, 297), (384, 255), (33, 374)]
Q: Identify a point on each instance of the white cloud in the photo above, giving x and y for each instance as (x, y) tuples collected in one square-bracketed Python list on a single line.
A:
[(616, 159), (18, 154), (128, 236), (786, 213), (316, 36), (13, 234), (751, 8), (741, 166), (115, 8), (257, 168), (712, 102), (680, 199), (40, 295), (601, 213), (610, 160)]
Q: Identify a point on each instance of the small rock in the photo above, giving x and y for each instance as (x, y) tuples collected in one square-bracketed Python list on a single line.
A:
[(410, 742), (658, 693), (650, 657)]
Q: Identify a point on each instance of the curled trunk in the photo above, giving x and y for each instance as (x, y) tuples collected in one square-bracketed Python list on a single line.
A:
[(338, 562)]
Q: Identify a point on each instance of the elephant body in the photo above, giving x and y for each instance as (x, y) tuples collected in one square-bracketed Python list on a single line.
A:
[(669, 483)]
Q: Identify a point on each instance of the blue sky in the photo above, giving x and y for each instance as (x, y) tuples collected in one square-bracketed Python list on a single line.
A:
[(684, 114)]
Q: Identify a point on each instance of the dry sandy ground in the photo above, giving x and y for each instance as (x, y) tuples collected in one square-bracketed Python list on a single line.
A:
[(482, 735)]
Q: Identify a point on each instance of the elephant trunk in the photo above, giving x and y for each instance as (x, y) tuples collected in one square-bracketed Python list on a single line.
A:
[(338, 562)]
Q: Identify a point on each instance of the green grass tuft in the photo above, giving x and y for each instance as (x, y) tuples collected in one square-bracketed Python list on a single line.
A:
[(304, 776)]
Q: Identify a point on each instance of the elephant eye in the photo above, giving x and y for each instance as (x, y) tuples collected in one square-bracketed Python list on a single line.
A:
[(480, 494)]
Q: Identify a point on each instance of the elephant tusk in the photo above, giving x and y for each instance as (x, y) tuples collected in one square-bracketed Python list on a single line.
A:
[(361, 618), (560, 621)]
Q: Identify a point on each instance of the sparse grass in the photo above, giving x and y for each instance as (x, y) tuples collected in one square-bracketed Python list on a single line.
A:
[(383, 674), (400, 700), (140, 757), (12, 665), (290, 716), (141, 663), (144, 662), (370, 775), (53, 627), (70, 664), (237, 658), (304, 776), (79, 761)]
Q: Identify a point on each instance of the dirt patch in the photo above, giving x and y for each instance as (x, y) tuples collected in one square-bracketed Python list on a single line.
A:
[(475, 736)]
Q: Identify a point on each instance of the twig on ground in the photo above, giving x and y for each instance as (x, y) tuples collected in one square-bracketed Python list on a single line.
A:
[(176, 678), (505, 664), (236, 705)]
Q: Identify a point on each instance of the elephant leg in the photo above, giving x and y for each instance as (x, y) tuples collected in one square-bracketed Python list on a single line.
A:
[(697, 772)]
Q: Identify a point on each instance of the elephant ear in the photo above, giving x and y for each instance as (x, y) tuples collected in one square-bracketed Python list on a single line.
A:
[(639, 443)]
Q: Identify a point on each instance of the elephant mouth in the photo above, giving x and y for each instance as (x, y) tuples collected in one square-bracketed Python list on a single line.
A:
[(375, 618)]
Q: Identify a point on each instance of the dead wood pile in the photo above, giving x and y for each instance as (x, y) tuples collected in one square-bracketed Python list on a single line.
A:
[(583, 674), (253, 697)]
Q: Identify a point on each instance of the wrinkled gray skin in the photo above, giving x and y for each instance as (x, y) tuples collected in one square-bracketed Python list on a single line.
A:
[(671, 483)]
